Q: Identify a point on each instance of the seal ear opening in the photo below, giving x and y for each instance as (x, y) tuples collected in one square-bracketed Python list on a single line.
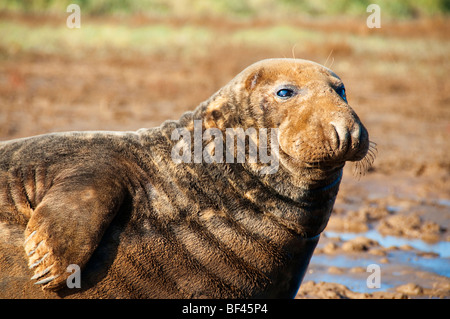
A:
[(253, 79), (214, 113)]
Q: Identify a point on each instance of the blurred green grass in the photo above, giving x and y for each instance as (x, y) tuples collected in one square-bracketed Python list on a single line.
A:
[(187, 39), (196, 40), (234, 8), (48, 38), (17, 37)]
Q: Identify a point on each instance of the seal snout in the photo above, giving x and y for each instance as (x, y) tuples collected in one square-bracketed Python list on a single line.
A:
[(350, 140)]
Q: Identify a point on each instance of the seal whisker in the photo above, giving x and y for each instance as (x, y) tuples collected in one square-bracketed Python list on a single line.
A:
[(360, 169), (293, 51), (373, 151), (363, 166), (325, 64)]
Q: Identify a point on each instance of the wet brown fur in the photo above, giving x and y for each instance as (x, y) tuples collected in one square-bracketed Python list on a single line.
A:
[(141, 226)]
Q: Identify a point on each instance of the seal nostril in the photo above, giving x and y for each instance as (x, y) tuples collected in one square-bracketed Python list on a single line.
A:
[(356, 135), (342, 137), (336, 137), (341, 132), (356, 132)]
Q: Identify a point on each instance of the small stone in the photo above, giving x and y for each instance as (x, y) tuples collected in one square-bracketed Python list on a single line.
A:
[(335, 270), (359, 244), (330, 248), (410, 289), (378, 251), (358, 270)]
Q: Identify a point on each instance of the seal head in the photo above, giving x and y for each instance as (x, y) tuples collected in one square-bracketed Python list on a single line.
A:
[(307, 103)]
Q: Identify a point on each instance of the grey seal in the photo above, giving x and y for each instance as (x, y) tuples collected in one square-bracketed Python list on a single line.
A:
[(140, 225)]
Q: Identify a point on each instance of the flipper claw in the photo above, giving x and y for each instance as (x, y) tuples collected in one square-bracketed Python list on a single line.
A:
[(29, 237), (45, 280), (31, 252), (38, 262), (42, 273)]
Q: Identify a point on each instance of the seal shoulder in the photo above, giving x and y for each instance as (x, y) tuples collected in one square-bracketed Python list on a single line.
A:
[(74, 186)]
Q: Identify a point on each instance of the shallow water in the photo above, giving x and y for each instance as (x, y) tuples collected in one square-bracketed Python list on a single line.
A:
[(318, 271), (441, 247), (398, 267)]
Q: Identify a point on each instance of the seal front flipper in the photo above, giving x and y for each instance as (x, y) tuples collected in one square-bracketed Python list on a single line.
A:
[(67, 225)]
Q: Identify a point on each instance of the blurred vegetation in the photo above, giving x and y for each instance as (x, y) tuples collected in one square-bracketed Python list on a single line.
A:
[(190, 40), (167, 37), (234, 8)]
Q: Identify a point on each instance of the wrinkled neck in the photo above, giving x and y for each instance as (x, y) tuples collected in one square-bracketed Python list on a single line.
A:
[(300, 199), (312, 194)]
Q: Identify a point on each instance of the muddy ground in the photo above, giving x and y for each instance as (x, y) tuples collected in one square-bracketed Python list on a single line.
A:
[(397, 216)]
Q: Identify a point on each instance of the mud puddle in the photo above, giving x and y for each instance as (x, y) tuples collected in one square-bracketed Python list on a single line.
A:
[(402, 227), (408, 268)]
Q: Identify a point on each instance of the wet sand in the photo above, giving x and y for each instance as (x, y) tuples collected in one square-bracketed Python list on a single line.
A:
[(406, 235)]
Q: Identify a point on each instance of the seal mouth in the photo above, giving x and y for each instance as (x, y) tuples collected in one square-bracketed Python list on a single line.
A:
[(325, 165), (327, 162)]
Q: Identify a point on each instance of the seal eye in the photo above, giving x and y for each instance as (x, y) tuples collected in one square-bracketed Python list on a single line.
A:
[(285, 93), (341, 92)]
